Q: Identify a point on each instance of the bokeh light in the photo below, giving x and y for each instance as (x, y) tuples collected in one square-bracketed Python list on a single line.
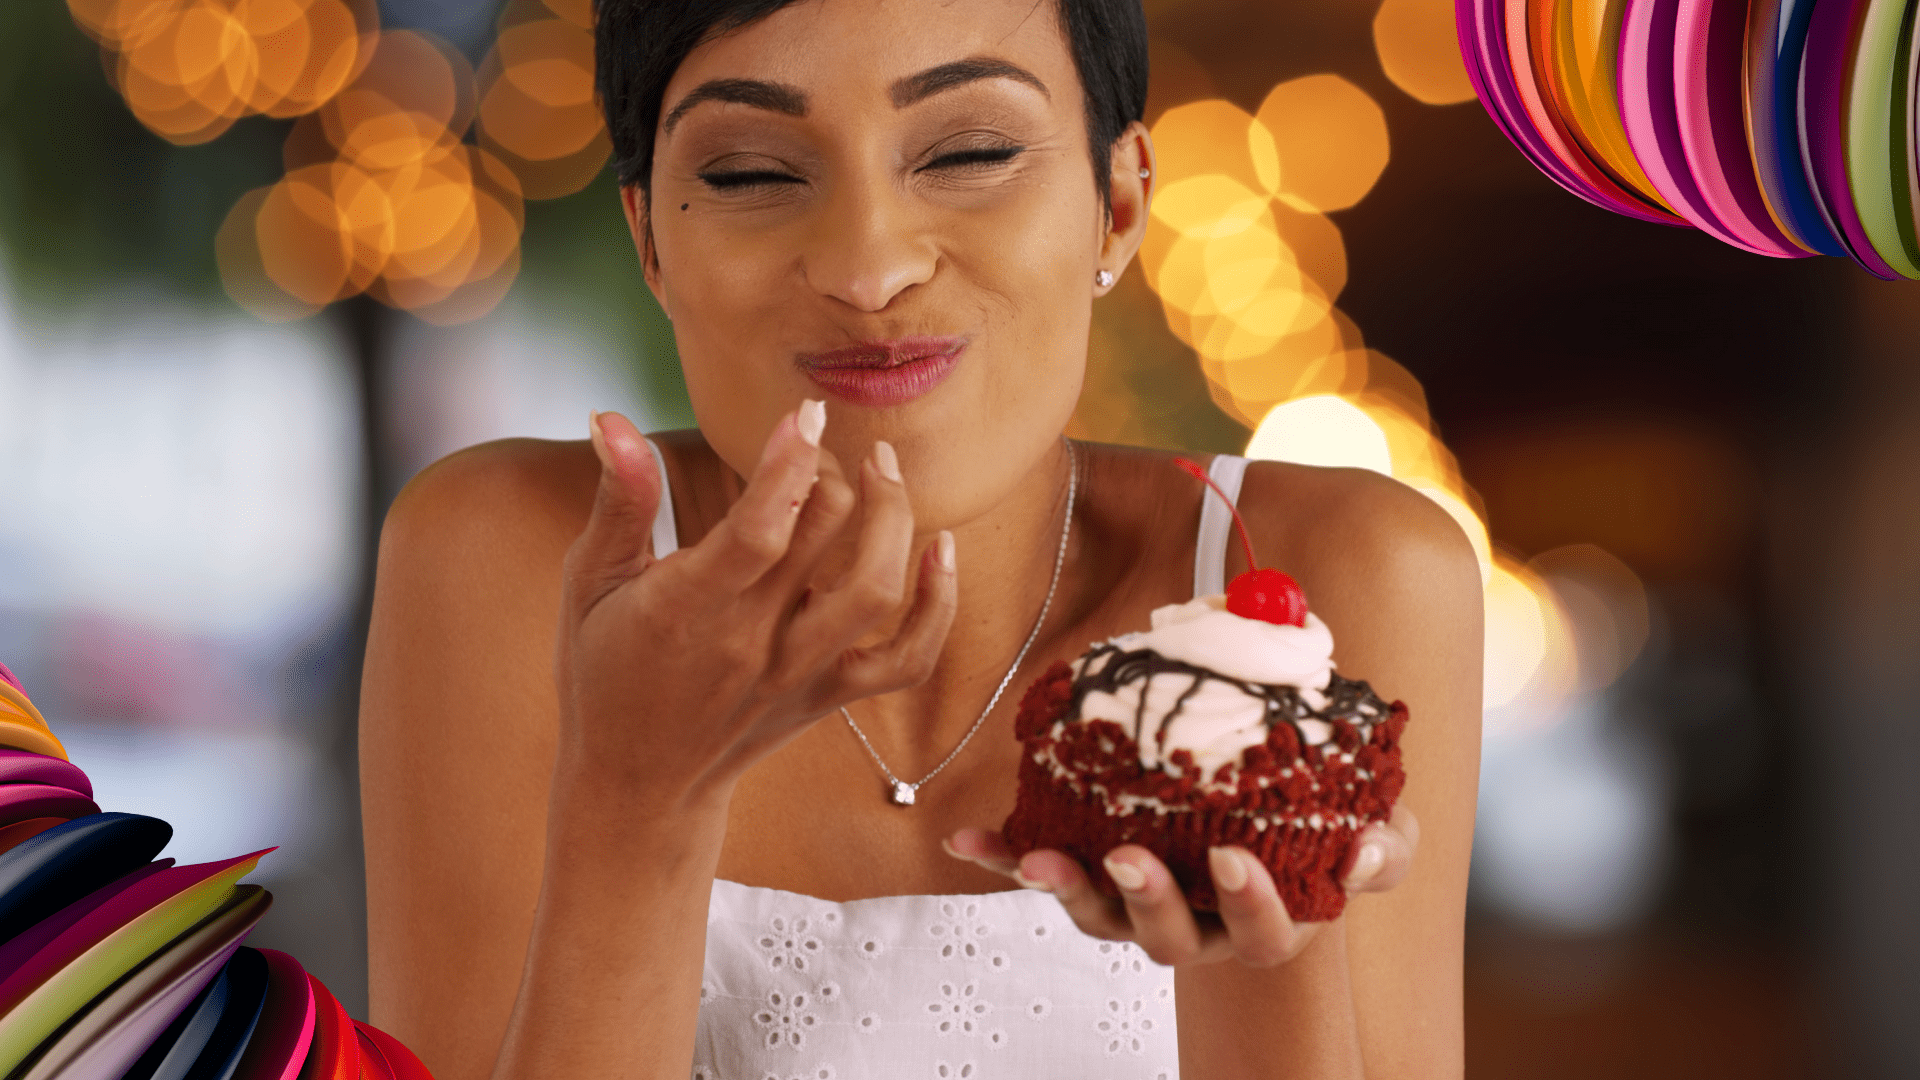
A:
[(537, 108), (189, 68), (1322, 430), (1420, 52), (1331, 138), (1249, 267), (383, 194)]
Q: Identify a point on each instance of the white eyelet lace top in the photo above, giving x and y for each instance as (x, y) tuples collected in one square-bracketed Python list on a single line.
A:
[(997, 986)]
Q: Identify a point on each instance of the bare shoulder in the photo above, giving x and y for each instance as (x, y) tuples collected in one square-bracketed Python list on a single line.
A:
[(508, 492), (1338, 520), (458, 719), (1385, 566)]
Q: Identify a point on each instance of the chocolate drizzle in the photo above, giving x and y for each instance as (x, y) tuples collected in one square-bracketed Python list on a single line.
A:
[(1350, 703)]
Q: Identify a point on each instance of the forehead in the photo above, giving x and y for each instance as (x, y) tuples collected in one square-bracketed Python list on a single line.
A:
[(859, 49)]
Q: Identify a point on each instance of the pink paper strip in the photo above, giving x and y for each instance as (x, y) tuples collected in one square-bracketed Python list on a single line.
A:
[(1708, 102)]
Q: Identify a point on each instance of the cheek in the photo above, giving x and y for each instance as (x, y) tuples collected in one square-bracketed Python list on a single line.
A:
[(1035, 259), (724, 329)]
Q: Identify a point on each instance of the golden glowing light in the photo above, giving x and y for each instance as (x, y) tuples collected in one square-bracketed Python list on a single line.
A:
[(1331, 138), (382, 196), (1322, 430), (1248, 267), (1523, 626), (1420, 50), (189, 68), (1215, 137), (537, 109)]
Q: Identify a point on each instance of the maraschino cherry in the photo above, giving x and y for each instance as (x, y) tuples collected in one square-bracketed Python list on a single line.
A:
[(1265, 594)]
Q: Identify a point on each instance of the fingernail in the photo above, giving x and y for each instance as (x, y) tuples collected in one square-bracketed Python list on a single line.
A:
[(948, 848), (1366, 865), (1026, 882), (812, 420), (1127, 876), (1229, 869), (945, 546), (595, 436), (886, 460)]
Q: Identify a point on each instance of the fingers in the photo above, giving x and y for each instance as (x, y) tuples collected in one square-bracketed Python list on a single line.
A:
[(1059, 874), (908, 658), (829, 506), (755, 533), (618, 541), (875, 586), (1383, 853), (1258, 927), (1162, 920), (982, 848)]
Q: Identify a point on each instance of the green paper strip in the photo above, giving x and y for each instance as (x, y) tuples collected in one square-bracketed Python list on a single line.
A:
[(51, 1003), (1874, 147)]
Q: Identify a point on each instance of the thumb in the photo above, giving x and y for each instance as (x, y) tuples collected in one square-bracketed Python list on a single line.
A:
[(617, 543)]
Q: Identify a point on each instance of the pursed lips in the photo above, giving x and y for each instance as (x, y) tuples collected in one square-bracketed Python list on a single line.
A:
[(882, 373)]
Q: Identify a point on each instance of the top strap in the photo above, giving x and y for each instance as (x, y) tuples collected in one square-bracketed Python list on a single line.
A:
[(666, 537), (1216, 523)]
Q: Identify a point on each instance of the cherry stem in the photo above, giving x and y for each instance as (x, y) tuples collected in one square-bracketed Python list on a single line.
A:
[(1200, 474)]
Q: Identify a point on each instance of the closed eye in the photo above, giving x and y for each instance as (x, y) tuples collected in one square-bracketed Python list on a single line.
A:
[(724, 181), (983, 155)]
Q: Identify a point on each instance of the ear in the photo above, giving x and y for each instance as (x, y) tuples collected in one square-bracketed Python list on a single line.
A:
[(633, 200), (1132, 194)]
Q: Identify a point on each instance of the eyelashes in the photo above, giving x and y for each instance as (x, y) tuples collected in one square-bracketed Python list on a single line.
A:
[(977, 158), (728, 181), (982, 155)]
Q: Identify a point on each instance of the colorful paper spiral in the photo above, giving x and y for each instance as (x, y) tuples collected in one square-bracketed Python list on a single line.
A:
[(1783, 127), (116, 965)]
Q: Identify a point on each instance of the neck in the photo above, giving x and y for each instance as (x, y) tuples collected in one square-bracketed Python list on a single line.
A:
[(1005, 562)]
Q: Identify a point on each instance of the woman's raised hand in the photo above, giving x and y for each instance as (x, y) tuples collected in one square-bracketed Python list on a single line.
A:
[(676, 674), (1253, 926)]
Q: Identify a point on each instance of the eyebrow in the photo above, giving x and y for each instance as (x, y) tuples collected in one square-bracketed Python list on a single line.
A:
[(791, 101), (774, 97), (935, 80)]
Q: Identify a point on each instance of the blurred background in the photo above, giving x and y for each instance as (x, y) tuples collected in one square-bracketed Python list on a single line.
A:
[(265, 259)]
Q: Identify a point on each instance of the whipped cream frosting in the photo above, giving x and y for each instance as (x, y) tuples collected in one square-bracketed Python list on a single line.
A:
[(1217, 720)]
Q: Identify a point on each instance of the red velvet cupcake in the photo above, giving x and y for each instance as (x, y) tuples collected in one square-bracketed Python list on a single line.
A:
[(1225, 724)]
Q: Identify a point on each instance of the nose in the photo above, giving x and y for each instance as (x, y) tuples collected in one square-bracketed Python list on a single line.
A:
[(868, 247)]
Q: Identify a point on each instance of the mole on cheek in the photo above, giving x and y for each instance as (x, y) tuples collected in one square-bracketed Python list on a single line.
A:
[(683, 206)]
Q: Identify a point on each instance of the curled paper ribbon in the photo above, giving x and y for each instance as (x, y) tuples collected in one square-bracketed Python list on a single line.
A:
[(1782, 127), (114, 964)]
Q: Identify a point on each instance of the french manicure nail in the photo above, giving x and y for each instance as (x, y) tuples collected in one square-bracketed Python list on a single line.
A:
[(1229, 869), (886, 460), (812, 420), (1366, 865), (1127, 876), (945, 547), (1026, 882)]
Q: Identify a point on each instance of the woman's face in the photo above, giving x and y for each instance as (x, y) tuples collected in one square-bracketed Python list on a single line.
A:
[(887, 204)]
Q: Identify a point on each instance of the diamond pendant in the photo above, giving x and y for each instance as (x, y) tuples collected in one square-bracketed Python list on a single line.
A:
[(902, 793)]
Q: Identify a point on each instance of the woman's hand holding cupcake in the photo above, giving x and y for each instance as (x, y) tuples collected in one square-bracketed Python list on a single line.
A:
[(677, 674), (1252, 926)]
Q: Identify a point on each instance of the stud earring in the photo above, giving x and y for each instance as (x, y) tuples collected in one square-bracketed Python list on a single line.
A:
[(1145, 173), (1103, 278)]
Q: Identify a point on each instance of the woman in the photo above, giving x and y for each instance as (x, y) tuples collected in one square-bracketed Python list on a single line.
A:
[(885, 205)]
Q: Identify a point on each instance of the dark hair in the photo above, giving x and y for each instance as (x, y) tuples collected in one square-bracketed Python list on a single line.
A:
[(639, 44)]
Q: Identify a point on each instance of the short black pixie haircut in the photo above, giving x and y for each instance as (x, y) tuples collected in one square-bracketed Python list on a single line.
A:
[(639, 44)]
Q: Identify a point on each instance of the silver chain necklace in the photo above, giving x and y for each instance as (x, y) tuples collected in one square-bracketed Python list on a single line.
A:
[(903, 792)]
